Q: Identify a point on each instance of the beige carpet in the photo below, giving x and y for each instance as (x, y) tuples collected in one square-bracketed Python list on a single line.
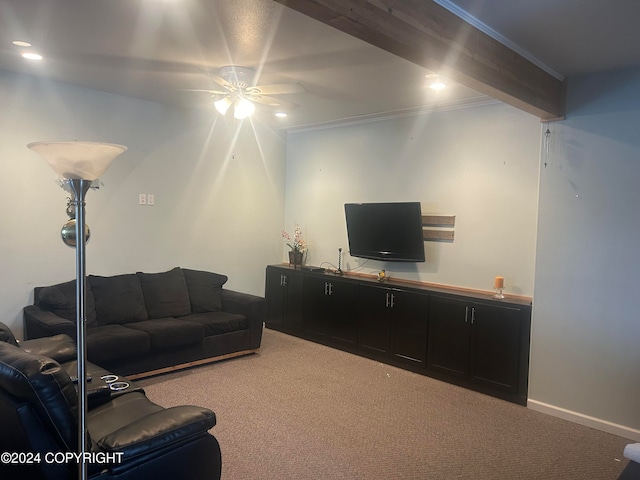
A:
[(302, 411)]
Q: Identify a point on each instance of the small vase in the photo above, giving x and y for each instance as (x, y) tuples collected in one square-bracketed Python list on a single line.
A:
[(295, 258)]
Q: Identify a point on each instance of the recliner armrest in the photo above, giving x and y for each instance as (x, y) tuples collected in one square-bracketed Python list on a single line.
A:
[(43, 323), (159, 430), (60, 348)]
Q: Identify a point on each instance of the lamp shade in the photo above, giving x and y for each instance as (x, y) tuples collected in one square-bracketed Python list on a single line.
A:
[(78, 160), (222, 105)]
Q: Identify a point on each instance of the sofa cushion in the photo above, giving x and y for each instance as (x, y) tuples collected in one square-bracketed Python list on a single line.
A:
[(118, 299), (61, 300), (205, 290), (165, 294), (167, 333), (215, 323), (108, 342)]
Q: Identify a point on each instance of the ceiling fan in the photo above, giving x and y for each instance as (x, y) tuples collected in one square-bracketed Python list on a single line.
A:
[(237, 89)]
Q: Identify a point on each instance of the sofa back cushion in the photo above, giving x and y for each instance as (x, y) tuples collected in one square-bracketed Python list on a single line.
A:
[(165, 294), (46, 386), (118, 299), (205, 290), (61, 300)]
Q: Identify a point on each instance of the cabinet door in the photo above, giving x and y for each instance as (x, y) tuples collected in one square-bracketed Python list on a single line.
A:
[(343, 312), (449, 336), (275, 293), (284, 298), (330, 310), (374, 320), (293, 301), (316, 307), (409, 327), (495, 346)]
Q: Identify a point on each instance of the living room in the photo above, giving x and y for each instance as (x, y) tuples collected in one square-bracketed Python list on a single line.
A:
[(559, 225)]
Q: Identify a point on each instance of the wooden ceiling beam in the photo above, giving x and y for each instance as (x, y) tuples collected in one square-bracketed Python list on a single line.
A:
[(429, 35)]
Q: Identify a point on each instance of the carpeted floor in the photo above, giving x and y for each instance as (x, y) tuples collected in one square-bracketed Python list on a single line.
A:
[(302, 411)]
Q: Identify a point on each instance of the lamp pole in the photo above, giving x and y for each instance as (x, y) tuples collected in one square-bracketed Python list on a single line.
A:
[(79, 188)]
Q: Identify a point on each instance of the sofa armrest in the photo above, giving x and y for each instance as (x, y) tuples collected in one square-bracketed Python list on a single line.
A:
[(61, 347), (251, 306), (159, 430), (43, 323)]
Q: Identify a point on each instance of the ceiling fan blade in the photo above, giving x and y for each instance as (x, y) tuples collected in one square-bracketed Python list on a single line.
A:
[(220, 81), (272, 102), (212, 92), (277, 89)]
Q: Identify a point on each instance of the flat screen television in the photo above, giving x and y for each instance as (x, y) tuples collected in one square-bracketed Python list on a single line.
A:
[(385, 231)]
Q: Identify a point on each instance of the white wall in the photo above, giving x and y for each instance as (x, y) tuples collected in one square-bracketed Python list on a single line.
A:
[(585, 357), (219, 191), (480, 164)]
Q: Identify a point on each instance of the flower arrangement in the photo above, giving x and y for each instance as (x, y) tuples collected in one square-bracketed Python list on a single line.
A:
[(298, 244)]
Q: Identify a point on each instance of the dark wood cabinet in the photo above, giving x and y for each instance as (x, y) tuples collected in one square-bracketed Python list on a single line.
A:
[(284, 299), (476, 341), (465, 338), (393, 323), (330, 310)]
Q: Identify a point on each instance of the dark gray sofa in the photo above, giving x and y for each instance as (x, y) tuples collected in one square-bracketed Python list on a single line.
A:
[(146, 323)]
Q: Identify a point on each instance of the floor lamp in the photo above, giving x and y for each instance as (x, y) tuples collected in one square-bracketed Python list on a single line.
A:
[(78, 164)]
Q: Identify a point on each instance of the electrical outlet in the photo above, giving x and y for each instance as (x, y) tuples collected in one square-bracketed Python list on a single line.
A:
[(142, 199), (151, 199)]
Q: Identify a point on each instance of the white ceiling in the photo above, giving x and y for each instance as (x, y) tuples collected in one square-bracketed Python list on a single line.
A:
[(154, 49)]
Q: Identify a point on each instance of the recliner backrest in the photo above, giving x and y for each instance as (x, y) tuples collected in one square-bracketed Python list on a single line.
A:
[(41, 382), (6, 335)]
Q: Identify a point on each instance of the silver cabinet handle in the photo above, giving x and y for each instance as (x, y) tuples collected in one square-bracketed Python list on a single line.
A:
[(387, 302), (393, 299), (466, 314), (473, 315)]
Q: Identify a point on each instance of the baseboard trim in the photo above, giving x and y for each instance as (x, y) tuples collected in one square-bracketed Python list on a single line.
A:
[(586, 420), (194, 363)]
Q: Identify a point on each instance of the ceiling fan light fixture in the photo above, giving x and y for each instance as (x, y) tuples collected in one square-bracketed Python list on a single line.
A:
[(222, 105), (243, 108)]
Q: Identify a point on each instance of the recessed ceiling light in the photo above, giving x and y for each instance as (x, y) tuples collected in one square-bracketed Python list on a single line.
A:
[(280, 114), (32, 56), (19, 43), (435, 81)]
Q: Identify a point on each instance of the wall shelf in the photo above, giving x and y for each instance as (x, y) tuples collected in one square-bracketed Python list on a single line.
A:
[(441, 228)]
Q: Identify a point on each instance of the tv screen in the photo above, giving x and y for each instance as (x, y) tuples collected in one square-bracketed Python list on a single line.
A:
[(385, 231)]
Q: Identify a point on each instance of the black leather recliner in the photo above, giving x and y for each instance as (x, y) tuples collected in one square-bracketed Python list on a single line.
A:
[(130, 436)]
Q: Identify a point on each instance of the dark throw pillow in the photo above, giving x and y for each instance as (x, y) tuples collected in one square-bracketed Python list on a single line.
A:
[(165, 294), (61, 300), (118, 299), (205, 290)]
